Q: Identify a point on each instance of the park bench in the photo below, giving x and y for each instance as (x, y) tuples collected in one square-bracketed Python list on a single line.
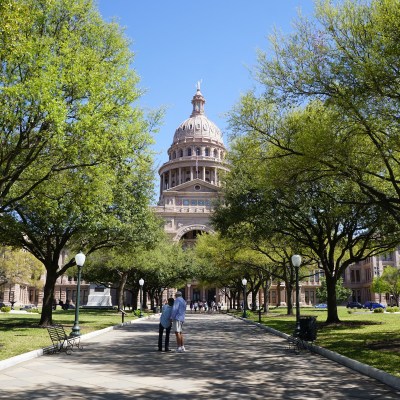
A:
[(61, 341), (296, 344), (307, 334)]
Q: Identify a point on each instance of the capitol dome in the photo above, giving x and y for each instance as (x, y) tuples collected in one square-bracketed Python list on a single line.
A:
[(197, 126)]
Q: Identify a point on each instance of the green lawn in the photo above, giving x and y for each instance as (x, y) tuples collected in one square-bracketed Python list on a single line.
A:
[(20, 333), (371, 338)]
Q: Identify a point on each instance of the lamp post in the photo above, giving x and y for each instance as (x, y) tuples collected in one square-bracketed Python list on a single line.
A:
[(244, 283), (296, 261), (80, 260), (188, 294), (141, 283)]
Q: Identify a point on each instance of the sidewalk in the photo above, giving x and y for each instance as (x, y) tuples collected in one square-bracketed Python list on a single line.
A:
[(226, 359)]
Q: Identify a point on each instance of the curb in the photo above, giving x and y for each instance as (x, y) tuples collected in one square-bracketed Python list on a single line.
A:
[(372, 372), (10, 362)]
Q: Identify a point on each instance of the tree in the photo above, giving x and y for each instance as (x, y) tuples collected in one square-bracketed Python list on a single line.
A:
[(322, 215), (346, 58), (342, 293), (19, 266), (67, 90), (70, 89), (389, 283)]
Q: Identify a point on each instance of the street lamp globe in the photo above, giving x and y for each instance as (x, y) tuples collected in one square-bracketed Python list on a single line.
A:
[(141, 282), (296, 260), (244, 281)]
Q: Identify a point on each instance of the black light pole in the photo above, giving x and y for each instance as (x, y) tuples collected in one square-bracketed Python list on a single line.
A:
[(80, 260), (141, 283), (296, 261), (244, 283)]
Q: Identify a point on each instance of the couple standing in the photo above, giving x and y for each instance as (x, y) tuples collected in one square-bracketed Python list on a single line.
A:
[(172, 316)]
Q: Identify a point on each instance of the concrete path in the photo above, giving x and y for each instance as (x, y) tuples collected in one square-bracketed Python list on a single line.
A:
[(226, 359)]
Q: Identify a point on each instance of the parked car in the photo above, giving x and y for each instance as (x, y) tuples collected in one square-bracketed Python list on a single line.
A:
[(372, 305), (354, 304), (321, 305), (29, 307)]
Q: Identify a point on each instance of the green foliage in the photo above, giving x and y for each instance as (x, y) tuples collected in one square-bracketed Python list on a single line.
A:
[(392, 309), (346, 58), (388, 282), (315, 151), (342, 293), (379, 310), (18, 266), (70, 118), (5, 309)]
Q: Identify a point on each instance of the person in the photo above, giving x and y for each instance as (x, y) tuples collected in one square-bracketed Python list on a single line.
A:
[(165, 323), (177, 319)]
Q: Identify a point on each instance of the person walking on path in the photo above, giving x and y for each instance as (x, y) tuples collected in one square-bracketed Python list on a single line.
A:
[(178, 318), (165, 323)]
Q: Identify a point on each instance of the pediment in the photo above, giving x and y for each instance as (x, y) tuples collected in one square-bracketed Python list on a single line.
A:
[(195, 186)]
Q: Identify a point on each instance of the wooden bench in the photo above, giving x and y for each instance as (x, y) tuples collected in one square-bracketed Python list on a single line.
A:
[(61, 341)]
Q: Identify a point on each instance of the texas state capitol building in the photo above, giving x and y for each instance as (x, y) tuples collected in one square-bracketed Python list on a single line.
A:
[(189, 183)]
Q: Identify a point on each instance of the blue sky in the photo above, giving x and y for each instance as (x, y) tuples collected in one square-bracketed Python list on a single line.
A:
[(179, 42)]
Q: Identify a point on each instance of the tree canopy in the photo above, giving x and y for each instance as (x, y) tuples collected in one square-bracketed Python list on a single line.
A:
[(76, 169)]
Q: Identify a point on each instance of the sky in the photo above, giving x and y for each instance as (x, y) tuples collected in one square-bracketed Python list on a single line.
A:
[(180, 42)]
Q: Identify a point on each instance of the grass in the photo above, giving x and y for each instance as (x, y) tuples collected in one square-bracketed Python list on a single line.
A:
[(371, 338), (20, 333)]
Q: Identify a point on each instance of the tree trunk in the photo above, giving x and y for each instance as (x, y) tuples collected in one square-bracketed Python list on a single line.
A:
[(278, 293), (266, 296), (289, 301), (48, 295), (121, 290), (332, 316)]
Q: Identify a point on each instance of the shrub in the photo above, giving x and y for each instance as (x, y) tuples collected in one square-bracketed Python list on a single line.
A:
[(392, 309), (379, 310), (32, 310), (5, 309)]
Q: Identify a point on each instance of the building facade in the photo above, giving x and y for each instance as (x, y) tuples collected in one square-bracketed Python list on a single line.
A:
[(359, 276)]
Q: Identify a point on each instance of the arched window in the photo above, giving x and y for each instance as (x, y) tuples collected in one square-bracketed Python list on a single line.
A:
[(180, 153), (207, 152), (215, 153), (198, 151), (189, 151), (174, 155)]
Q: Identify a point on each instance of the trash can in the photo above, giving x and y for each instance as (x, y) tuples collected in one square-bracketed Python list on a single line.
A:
[(308, 328)]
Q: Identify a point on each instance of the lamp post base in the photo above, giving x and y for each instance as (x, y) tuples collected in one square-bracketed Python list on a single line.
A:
[(75, 331)]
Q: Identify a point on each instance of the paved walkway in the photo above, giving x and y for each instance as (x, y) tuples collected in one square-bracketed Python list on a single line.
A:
[(226, 359)]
